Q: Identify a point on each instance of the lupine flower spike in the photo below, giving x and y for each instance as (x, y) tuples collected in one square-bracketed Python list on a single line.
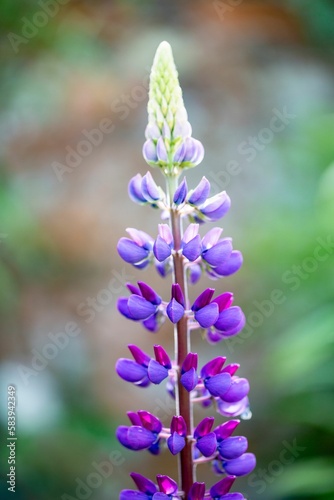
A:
[(170, 148)]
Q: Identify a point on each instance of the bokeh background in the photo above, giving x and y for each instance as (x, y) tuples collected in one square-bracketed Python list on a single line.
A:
[(67, 67)]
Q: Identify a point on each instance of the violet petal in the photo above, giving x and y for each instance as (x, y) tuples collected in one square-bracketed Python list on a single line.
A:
[(208, 315), (207, 444), (189, 379), (156, 372), (222, 487), (239, 388), (130, 370), (175, 311), (143, 484), (240, 466), (200, 193), (176, 443), (233, 447), (218, 384), (140, 308), (218, 253), (161, 249)]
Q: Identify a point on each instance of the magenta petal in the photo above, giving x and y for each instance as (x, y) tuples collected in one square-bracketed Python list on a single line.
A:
[(167, 485), (156, 372), (176, 443), (233, 447), (203, 299), (207, 444), (143, 484), (190, 361), (149, 421), (140, 308), (204, 427), (224, 431), (200, 193), (197, 491), (213, 367), (134, 418), (240, 466), (148, 293), (178, 425), (130, 370), (222, 487), (161, 249), (177, 293), (239, 388), (175, 311), (189, 379), (130, 251), (140, 356), (208, 315), (231, 369), (218, 384), (162, 357), (218, 253), (192, 249)]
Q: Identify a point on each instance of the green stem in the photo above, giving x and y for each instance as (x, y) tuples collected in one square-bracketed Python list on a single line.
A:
[(182, 347)]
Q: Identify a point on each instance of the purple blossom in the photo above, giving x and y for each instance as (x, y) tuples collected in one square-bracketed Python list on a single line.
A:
[(175, 308), (220, 490), (205, 440), (230, 320), (144, 190), (181, 193), (215, 379), (189, 377), (240, 466), (142, 434), (142, 305), (147, 490), (158, 368), (138, 250), (134, 371), (163, 245), (199, 195), (230, 447), (177, 440), (191, 243)]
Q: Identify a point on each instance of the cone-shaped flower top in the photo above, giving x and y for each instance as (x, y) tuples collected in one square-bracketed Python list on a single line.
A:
[(169, 143)]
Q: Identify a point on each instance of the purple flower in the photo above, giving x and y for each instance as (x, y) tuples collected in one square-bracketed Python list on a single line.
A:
[(240, 466), (189, 377), (158, 368), (138, 250), (177, 440), (205, 440), (164, 243), (144, 190), (134, 371), (149, 491), (215, 379), (230, 320), (230, 447), (142, 434), (191, 243), (205, 312), (194, 152), (215, 251), (216, 207), (175, 308), (230, 266), (142, 305)]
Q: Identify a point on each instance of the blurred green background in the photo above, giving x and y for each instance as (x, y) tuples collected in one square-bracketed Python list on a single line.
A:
[(67, 67)]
